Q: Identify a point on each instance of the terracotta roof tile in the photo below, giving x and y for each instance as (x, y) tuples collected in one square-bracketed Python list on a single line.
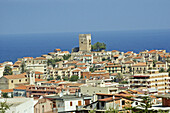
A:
[(23, 87), (140, 64), (159, 62), (39, 80), (129, 62), (7, 90), (76, 70), (37, 72), (116, 56), (57, 49), (114, 51), (15, 76), (82, 67), (81, 64), (87, 55), (39, 58)]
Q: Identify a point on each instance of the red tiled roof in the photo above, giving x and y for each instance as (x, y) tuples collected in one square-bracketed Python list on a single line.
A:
[(7, 90), (66, 52), (129, 62), (110, 63), (104, 94), (114, 50), (116, 56), (81, 64), (106, 99), (100, 71), (21, 87), (159, 62), (114, 74), (87, 55), (129, 52), (76, 70), (140, 64), (37, 72), (152, 51), (138, 57), (39, 58), (39, 80), (15, 76), (82, 67), (58, 49), (113, 66)]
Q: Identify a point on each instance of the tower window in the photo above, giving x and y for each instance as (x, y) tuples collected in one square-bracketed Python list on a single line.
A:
[(82, 42)]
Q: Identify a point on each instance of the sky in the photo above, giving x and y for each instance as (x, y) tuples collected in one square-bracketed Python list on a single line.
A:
[(50, 16)]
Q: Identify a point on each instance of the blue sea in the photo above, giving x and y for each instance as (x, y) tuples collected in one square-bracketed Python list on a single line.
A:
[(15, 46)]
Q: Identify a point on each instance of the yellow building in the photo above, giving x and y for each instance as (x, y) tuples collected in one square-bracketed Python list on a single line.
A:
[(113, 69), (11, 81), (152, 80)]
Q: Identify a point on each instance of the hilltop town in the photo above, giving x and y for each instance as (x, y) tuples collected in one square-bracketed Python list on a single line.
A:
[(87, 81)]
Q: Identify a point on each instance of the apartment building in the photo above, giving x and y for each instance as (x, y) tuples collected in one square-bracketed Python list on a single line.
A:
[(140, 67), (152, 80), (113, 69)]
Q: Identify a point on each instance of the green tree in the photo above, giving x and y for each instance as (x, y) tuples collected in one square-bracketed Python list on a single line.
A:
[(23, 68), (4, 106), (98, 46), (65, 78), (53, 62), (58, 78), (66, 57), (51, 78), (119, 77), (74, 78), (103, 59), (146, 103), (91, 69), (154, 63), (5, 95), (162, 70), (7, 71)]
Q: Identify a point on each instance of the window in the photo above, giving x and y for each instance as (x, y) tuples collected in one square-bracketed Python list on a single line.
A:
[(25, 79), (79, 103), (19, 80), (136, 103), (123, 102), (71, 104), (11, 81)]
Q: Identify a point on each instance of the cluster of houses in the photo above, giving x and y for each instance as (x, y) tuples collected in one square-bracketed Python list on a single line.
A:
[(105, 79)]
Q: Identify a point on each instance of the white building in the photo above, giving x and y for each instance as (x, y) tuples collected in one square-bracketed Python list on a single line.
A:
[(1, 71), (68, 103), (23, 105)]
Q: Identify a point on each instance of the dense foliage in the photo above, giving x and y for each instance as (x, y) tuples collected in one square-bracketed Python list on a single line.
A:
[(98, 46), (53, 61), (66, 57), (4, 106), (74, 78), (7, 71)]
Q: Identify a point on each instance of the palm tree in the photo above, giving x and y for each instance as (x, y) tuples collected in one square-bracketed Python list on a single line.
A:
[(4, 106)]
